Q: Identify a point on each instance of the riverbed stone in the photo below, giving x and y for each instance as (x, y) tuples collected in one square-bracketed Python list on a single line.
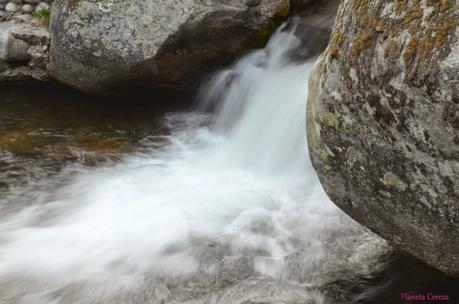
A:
[(383, 123), (128, 46), (11, 49), (17, 51), (27, 8), (23, 52), (11, 7), (42, 6)]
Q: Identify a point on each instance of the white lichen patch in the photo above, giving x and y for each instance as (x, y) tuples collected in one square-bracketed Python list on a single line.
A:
[(105, 6), (353, 75), (387, 10), (428, 189), (392, 180), (446, 168), (453, 58)]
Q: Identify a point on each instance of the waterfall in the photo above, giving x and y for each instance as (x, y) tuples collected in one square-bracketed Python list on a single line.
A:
[(235, 186), (261, 106)]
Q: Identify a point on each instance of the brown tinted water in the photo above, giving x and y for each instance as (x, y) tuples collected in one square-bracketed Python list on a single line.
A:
[(44, 119), (43, 128)]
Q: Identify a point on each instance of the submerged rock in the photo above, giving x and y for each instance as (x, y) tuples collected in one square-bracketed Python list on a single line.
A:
[(383, 123), (114, 46)]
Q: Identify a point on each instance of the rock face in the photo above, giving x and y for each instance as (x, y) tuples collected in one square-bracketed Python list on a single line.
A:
[(23, 50), (114, 45), (383, 123)]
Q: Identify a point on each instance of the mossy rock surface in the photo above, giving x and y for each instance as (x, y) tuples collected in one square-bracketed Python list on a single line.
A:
[(119, 46), (384, 106)]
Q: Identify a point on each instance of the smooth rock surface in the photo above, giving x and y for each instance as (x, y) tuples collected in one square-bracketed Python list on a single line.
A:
[(383, 123), (114, 46)]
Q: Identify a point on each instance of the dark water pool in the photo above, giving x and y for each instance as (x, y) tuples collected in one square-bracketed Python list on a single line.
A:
[(43, 129)]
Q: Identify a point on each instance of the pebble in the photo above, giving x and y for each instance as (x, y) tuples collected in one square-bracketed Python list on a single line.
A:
[(27, 8), (41, 6), (11, 7)]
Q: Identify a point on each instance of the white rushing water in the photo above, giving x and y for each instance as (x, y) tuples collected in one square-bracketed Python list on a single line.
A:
[(235, 198)]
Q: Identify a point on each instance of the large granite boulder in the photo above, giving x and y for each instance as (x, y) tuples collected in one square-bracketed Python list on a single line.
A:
[(113, 46), (383, 123)]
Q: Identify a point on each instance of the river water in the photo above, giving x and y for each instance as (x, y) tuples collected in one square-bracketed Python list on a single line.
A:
[(119, 201)]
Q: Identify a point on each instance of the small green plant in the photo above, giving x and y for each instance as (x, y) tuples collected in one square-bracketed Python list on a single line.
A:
[(42, 16)]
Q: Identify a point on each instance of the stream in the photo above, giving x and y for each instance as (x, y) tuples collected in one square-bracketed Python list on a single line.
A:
[(144, 200)]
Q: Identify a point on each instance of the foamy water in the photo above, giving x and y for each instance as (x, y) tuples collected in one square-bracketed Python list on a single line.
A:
[(236, 186)]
